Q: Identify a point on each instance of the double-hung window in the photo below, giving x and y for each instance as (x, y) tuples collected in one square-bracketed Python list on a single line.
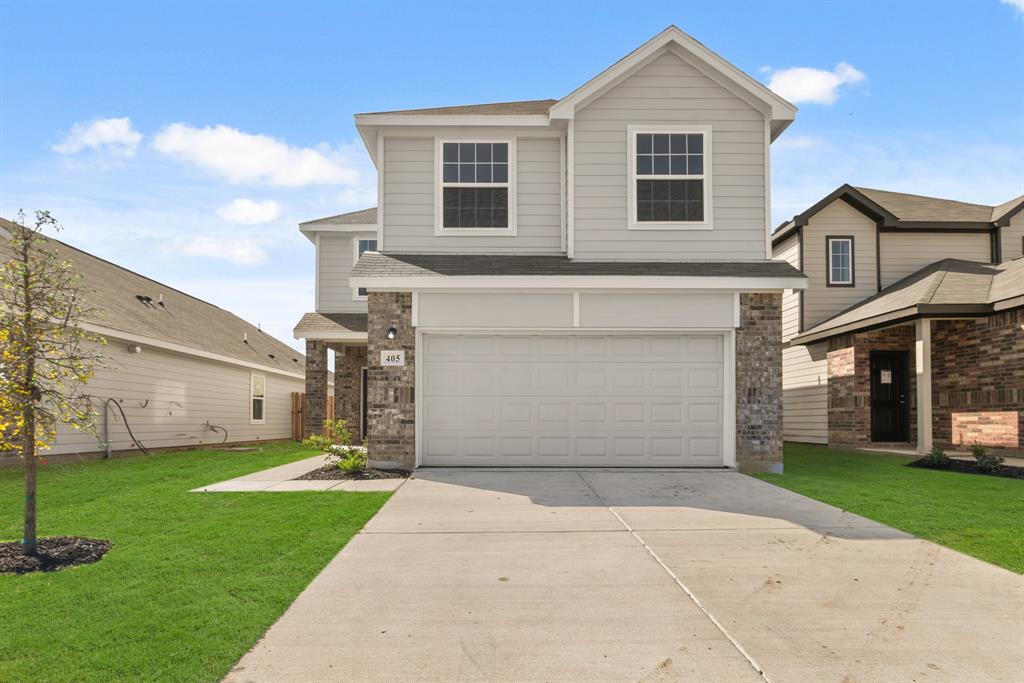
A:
[(361, 247), (257, 397), (840, 261), (477, 188), (670, 178)]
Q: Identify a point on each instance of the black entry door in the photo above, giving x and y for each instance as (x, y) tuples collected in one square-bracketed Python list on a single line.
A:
[(889, 413), (362, 404)]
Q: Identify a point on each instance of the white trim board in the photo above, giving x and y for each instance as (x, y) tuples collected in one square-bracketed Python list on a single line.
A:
[(528, 282)]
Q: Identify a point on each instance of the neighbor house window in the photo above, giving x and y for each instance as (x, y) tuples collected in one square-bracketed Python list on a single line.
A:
[(258, 396), (840, 261), (476, 187), (363, 246), (670, 179)]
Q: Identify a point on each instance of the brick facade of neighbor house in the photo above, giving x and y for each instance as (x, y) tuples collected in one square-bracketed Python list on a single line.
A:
[(849, 383), (978, 381), (759, 383), (348, 388), (391, 407), (315, 408)]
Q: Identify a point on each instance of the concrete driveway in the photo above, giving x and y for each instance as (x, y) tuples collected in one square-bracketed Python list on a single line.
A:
[(558, 575)]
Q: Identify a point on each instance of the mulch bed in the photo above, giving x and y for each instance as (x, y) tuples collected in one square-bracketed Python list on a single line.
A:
[(55, 553), (968, 467), (336, 473)]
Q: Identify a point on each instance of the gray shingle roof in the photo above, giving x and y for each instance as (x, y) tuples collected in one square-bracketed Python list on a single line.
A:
[(1010, 207), (373, 264), (361, 217), (918, 208), (330, 322), (493, 108), (945, 286), (182, 319)]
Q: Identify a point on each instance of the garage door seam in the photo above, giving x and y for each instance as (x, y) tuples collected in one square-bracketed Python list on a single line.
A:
[(685, 589)]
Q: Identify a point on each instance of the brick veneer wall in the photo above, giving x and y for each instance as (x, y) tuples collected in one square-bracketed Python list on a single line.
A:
[(759, 383), (348, 389), (978, 380), (849, 383), (315, 409), (391, 408)]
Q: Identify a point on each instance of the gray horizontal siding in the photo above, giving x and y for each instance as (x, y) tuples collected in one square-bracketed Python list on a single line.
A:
[(669, 91), (904, 253), (409, 196), (335, 261)]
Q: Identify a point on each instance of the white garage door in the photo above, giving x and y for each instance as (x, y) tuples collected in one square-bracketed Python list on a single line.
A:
[(572, 400)]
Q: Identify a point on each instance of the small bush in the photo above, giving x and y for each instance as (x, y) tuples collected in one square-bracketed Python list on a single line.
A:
[(335, 434), (355, 461), (936, 457), (988, 462)]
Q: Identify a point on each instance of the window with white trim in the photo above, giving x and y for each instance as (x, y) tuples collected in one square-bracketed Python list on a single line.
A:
[(475, 185), (363, 246), (257, 397), (840, 261), (670, 178)]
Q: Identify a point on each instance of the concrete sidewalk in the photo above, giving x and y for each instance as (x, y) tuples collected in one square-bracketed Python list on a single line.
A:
[(560, 575), (282, 478)]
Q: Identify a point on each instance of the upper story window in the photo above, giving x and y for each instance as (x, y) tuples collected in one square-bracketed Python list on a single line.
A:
[(477, 186), (257, 396), (670, 178), (840, 261), (361, 247)]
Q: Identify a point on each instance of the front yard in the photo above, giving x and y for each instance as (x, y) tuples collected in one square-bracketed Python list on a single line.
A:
[(192, 580), (978, 515)]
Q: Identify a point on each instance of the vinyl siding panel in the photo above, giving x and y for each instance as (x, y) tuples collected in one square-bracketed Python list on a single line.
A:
[(1012, 238), (669, 91), (410, 194), (837, 219), (335, 260), (904, 252), (167, 398), (789, 251)]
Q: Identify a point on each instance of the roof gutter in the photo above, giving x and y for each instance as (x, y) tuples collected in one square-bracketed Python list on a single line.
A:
[(900, 316)]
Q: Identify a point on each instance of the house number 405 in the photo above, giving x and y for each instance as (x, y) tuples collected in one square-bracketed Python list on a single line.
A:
[(392, 358)]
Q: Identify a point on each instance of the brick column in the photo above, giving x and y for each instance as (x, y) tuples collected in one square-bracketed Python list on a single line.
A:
[(391, 410), (348, 388), (759, 383), (315, 411)]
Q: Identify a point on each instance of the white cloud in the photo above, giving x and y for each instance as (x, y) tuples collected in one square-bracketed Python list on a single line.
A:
[(114, 135), (241, 251), (805, 84), (243, 157), (250, 212), (797, 142), (1017, 4)]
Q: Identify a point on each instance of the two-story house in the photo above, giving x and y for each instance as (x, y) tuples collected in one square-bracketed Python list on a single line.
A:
[(585, 281), (911, 328)]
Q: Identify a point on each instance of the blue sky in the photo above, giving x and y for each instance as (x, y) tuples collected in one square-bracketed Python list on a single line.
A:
[(239, 116)]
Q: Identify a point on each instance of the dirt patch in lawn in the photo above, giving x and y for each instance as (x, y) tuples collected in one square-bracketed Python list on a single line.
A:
[(968, 467), (55, 553), (336, 473)]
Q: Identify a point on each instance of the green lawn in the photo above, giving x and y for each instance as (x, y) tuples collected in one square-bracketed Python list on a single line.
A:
[(192, 580), (978, 515)]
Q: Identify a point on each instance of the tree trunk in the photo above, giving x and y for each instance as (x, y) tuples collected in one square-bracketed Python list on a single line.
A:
[(28, 451)]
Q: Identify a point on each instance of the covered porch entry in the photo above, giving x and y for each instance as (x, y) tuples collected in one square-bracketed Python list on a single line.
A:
[(344, 336)]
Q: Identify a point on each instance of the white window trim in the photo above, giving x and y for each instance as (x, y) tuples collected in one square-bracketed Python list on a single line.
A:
[(631, 178), (439, 185), (252, 376), (849, 267), (355, 259)]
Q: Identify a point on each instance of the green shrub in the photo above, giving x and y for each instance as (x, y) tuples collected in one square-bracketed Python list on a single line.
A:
[(936, 457), (335, 433), (355, 461), (985, 461)]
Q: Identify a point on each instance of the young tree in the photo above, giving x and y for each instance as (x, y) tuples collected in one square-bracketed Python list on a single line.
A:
[(45, 355)]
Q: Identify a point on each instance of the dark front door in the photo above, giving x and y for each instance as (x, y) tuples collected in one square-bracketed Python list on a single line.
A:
[(362, 404), (889, 414)]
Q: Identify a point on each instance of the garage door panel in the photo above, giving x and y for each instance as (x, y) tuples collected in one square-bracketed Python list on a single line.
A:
[(597, 400)]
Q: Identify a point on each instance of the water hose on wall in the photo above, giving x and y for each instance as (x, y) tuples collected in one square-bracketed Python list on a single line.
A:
[(215, 428), (109, 402)]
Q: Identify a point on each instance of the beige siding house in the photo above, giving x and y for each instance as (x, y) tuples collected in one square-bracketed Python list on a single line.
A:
[(177, 371), (858, 245), (567, 282)]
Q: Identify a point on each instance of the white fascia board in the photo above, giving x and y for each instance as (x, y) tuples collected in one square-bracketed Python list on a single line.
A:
[(695, 282), (512, 120), (110, 333), (346, 337), (310, 229)]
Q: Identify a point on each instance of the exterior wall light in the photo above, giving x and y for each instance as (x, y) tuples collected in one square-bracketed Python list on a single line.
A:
[(134, 348), (391, 333)]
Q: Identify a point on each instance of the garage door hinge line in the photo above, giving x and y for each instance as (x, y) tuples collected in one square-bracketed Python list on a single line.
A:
[(689, 593)]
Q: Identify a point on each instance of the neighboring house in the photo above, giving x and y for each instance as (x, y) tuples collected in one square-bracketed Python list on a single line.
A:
[(908, 296), (583, 281), (181, 371)]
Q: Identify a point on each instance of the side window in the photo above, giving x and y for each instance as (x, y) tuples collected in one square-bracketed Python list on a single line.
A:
[(257, 397), (839, 254), (670, 179), (476, 188), (363, 246)]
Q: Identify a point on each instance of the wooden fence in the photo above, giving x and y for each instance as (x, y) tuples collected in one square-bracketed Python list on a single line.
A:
[(299, 408)]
